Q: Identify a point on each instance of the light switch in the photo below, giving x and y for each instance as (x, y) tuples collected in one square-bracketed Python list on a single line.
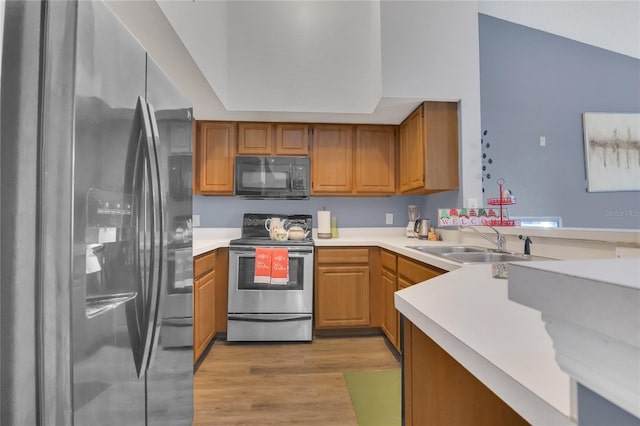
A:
[(196, 220), (543, 141), (389, 219)]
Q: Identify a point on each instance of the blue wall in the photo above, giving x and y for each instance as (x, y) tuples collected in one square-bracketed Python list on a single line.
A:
[(536, 84), (226, 212), (594, 410)]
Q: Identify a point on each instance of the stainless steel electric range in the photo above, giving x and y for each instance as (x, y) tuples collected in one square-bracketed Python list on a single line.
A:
[(261, 306)]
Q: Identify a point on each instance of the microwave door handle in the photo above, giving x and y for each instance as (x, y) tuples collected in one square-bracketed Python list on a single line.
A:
[(290, 178)]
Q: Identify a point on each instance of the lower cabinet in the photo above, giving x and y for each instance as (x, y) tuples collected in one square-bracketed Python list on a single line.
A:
[(342, 287), (440, 391), (210, 288), (398, 273), (389, 284), (203, 312), (222, 289), (355, 286), (411, 272)]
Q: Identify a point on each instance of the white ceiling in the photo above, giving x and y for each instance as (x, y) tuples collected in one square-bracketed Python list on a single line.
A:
[(322, 61)]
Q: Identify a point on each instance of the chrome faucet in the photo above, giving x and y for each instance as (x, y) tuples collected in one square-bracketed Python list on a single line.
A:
[(500, 243)]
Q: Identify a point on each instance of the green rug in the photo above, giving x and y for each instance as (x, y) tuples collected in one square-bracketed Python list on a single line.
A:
[(375, 396)]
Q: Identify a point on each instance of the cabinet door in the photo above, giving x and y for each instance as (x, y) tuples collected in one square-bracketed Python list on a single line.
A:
[(254, 139), (413, 272), (390, 315), (441, 146), (342, 296), (375, 160), (204, 313), (331, 159), (222, 289), (438, 390), (412, 152), (403, 283), (215, 157), (429, 149), (292, 139)]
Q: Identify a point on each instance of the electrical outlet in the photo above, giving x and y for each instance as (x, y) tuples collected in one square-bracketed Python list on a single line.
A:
[(196, 220), (389, 219), (543, 141), (472, 203)]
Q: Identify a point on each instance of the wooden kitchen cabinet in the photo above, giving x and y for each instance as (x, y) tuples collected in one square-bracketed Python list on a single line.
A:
[(375, 148), (288, 139), (222, 289), (428, 149), (390, 326), (214, 154), (411, 272), (204, 302), (255, 138), (438, 390), (399, 272), (331, 159), (292, 139), (342, 288)]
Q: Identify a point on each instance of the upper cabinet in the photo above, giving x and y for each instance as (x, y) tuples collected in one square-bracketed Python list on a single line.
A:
[(331, 159), (292, 139), (429, 149), (215, 152), (418, 157), (254, 139), (273, 139), (355, 160), (375, 159)]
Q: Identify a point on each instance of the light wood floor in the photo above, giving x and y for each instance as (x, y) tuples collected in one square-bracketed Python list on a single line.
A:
[(284, 384)]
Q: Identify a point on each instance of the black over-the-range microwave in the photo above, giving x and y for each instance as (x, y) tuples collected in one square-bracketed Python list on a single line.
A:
[(272, 177)]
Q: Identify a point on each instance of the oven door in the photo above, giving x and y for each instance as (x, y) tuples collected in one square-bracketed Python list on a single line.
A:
[(247, 296)]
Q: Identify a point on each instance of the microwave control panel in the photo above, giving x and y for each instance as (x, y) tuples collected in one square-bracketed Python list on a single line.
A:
[(299, 178)]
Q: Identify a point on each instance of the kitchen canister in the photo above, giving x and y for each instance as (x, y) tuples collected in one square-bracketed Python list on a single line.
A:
[(324, 224), (334, 227)]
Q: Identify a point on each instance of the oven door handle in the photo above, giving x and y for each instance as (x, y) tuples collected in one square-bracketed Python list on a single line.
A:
[(251, 251), (268, 317)]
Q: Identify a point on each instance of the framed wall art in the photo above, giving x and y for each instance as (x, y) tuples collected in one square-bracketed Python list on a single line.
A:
[(612, 151)]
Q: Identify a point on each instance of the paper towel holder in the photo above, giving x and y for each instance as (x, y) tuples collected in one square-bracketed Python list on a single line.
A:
[(324, 224)]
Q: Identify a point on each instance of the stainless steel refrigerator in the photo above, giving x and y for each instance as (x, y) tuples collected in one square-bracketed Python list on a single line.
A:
[(96, 296)]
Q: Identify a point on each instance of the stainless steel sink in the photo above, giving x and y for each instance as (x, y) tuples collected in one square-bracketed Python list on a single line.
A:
[(473, 254), (441, 250), (488, 257)]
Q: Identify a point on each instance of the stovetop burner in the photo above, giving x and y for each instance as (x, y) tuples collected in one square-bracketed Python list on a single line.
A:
[(255, 233)]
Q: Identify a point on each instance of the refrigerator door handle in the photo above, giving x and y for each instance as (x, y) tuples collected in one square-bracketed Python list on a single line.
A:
[(160, 283), (149, 287)]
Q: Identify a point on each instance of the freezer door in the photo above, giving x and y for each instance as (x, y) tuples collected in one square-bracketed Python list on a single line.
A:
[(170, 376), (115, 231)]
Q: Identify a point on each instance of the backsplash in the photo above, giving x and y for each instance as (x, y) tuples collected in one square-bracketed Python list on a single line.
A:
[(226, 212)]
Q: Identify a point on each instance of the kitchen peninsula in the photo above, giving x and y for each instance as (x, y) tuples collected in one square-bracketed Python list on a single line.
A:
[(468, 314)]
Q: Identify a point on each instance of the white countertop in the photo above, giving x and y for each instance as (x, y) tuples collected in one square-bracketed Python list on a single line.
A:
[(207, 239)]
